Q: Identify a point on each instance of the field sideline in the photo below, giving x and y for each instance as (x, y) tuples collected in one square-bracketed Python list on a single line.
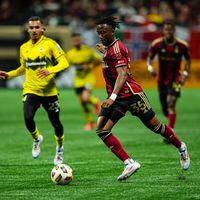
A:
[(95, 168)]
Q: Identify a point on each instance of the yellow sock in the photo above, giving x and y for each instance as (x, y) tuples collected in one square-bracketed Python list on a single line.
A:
[(94, 100), (35, 134), (87, 112), (89, 117), (59, 141)]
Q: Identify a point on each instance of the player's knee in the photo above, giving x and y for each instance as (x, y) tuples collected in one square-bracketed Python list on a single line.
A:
[(103, 134), (158, 128), (171, 104)]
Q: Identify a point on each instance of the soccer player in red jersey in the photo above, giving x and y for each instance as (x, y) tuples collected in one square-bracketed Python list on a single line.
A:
[(125, 94), (170, 51)]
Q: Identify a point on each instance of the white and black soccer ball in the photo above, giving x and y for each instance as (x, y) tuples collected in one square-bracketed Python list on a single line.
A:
[(61, 174)]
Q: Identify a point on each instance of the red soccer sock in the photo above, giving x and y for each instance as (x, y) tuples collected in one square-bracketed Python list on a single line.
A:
[(172, 137), (116, 147), (171, 119)]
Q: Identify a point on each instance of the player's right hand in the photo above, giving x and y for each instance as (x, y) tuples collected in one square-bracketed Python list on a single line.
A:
[(107, 103), (3, 75), (42, 73), (101, 48), (151, 70), (153, 73)]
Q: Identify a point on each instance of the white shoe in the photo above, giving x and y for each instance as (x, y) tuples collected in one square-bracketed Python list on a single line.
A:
[(36, 146), (58, 159), (129, 170), (184, 156)]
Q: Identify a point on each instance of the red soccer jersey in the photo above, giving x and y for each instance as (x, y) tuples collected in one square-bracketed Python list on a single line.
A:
[(117, 56), (169, 56)]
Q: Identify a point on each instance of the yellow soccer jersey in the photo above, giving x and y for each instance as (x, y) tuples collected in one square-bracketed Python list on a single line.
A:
[(46, 53), (80, 57)]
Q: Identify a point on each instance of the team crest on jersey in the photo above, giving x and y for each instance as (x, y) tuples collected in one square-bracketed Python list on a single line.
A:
[(40, 49), (176, 50), (118, 55), (58, 47)]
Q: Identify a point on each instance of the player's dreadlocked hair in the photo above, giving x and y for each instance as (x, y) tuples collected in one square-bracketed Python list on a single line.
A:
[(110, 20)]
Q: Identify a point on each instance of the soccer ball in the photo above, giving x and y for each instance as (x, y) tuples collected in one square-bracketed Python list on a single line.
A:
[(61, 174)]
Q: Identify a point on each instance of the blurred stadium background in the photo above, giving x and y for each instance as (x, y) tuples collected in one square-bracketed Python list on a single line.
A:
[(141, 23), (95, 168)]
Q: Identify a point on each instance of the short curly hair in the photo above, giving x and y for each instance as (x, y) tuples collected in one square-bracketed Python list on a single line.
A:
[(35, 18)]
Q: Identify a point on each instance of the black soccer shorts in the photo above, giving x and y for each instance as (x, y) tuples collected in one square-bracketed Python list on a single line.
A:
[(137, 104), (174, 89), (32, 102)]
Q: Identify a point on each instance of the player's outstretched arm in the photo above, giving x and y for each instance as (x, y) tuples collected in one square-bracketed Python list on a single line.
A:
[(17, 72)]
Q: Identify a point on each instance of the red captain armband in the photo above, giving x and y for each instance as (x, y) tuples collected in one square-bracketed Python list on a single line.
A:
[(113, 96)]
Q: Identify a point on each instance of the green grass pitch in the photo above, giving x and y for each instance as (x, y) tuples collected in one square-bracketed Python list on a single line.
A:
[(94, 167)]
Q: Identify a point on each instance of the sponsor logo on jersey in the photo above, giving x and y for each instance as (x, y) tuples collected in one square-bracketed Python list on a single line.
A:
[(31, 64), (176, 50)]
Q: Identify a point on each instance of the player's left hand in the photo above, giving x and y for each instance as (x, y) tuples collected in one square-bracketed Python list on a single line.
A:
[(42, 73), (107, 103)]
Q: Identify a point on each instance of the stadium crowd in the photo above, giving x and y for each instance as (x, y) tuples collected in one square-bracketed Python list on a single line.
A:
[(81, 13)]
